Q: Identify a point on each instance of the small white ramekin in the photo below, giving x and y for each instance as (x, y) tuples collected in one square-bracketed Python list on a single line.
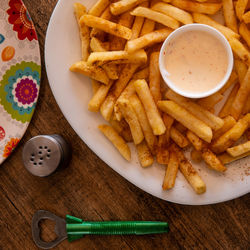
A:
[(212, 32)]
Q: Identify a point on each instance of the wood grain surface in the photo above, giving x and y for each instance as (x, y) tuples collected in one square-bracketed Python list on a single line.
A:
[(91, 190)]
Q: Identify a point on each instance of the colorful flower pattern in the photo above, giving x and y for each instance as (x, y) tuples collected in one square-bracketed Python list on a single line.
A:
[(20, 72), (20, 18), (19, 90), (10, 146)]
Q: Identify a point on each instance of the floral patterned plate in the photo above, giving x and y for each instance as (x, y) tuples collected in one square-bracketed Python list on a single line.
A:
[(20, 72)]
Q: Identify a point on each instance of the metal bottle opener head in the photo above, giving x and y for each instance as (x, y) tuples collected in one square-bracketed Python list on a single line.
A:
[(60, 229), (42, 154)]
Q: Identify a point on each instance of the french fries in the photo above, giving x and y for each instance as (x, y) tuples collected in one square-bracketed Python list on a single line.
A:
[(174, 12), (120, 43), (107, 26), (240, 50), (210, 101), (139, 56), (204, 115), (171, 171), (205, 8), (178, 138), (241, 96), (241, 69), (195, 140), (226, 109), (231, 136), (156, 16), (229, 15), (187, 119), (212, 161), (240, 8), (132, 120), (190, 173), (144, 155), (150, 138), (226, 158), (98, 8), (196, 155), (108, 104), (117, 140), (142, 74), (228, 33), (99, 97), (119, 7), (233, 79), (245, 33), (239, 149), (229, 122), (155, 76), (246, 17), (152, 112), (147, 40), (80, 10), (92, 71)]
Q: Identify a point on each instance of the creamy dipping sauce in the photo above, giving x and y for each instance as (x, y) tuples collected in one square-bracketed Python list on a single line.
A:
[(195, 61)]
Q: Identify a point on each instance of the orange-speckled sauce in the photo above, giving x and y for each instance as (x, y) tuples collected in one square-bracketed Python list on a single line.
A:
[(196, 61)]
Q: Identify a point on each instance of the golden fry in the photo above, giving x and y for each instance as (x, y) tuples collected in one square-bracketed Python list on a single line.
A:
[(226, 158), (162, 155), (241, 69), (246, 17), (147, 40), (152, 112), (229, 15), (245, 33), (233, 79), (240, 8), (226, 109), (178, 138), (171, 171), (241, 97), (174, 12), (212, 161), (190, 173), (117, 140), (229, 122), (143, 120), (132, 120), (206, 8), (108, 105), (187, 119), (99, 97), (148, 26), (228, 33), (210, 101), (239, 149), (119, 7), (142, 74), (240, 50), (92, 71), (155, 76), (139, 56), (107, 26), (204, 115), (196, 155), (80, 10), (156, 16), (195, 140), (98, 8), (144, 155), (231, 136)]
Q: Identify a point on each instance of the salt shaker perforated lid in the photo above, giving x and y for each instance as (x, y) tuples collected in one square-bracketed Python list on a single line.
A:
[(43, 154)]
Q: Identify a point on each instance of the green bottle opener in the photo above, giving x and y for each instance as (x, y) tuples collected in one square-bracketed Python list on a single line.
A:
[(74, 228)]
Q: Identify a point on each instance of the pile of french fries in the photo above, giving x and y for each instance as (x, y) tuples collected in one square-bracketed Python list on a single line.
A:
[(120, 43)]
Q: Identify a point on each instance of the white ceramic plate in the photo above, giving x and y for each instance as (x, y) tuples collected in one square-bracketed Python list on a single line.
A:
[(73, 91), (20, 71)]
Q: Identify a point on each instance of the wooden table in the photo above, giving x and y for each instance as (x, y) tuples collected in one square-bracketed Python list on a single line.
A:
[(91, 190)]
